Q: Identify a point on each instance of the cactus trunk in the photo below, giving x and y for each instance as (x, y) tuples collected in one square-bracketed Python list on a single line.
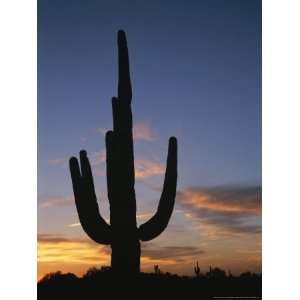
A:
[(125, 245), (126, 253)]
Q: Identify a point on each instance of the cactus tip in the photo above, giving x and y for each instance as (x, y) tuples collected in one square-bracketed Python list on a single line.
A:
[(121, 36), (72, 160), (173, 139), (83, 153)]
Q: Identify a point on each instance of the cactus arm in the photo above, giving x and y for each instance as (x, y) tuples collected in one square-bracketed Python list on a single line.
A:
[(86, 202), (156, 225), (124, 84)]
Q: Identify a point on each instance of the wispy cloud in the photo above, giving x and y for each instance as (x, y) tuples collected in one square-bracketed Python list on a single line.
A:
[(223, 210), (56, 201), (175, 253), (56, 248), (143, 216), (97, 158), (52, 248), (58, 252), (146, 168), (141, 131), (102, 130), (74, 225), (143, 167), (224, 199), (57, 161)]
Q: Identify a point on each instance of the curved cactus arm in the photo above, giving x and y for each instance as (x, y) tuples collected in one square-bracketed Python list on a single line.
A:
[(156, 225), (86, 202), (124, 84)]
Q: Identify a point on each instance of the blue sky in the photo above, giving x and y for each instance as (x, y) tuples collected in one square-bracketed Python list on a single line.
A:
[(196, 74)]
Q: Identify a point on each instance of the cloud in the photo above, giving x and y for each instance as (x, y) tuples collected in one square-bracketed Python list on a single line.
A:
[(224, 199), (143, 167), (141, 217), (97, 158), (74, 225), (146, 168), (59, 249), (56, 201), (58, 252), (176, 253), (102, 130), (57, 161), (48, 237), (141, 131), (144, 216), (223, 210)]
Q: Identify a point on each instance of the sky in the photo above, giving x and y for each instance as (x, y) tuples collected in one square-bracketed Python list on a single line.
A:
[(196, 74)]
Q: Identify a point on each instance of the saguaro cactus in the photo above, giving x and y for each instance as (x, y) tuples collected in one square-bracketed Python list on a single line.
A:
[(156, 269), (122, 234), (197, 270)]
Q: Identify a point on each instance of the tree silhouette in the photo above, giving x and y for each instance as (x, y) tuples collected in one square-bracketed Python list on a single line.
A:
[(101, 281), (216, 273), (122, 234)]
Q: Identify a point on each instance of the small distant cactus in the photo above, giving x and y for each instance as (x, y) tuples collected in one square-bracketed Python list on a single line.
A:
[(216, 273), (122, 234), (157, 270), (197, 270)]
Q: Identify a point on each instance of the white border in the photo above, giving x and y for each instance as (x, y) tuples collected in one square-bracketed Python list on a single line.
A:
[(281, 149), (18, 149)]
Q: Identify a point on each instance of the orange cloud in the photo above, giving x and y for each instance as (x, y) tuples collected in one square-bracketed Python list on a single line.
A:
[(56, 201), (221, 202), (60, 250), (143, 216), (58, 253), (97, 157), (223, 210), (74, 225), (141, 131), (147, 168), (77, 255)]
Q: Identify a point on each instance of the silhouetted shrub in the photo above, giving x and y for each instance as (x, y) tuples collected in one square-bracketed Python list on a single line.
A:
[(104, 283)]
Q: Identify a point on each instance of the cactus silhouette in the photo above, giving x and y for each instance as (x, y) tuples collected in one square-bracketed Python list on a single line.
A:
[(156, 269), (122, 234), (197, 270)]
